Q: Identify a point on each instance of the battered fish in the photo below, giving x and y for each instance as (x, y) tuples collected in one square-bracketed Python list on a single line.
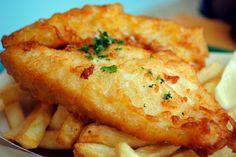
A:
[(154, 96), (81, 24)]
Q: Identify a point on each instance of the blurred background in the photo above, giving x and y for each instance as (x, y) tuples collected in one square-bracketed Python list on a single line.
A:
[(215, 16)]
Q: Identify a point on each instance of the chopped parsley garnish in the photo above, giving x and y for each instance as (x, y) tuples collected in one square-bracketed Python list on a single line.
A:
[(152, 85), (161, 80), (100, 43), (90, 57), (102, 56), (142, 68), (120, 42), (98, 48), (109, 69), (118, 49), (84, 48), (103, 41), (167, 96)]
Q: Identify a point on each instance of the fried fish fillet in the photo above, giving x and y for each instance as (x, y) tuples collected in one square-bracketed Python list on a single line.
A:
[(81, 24), (154, 96)]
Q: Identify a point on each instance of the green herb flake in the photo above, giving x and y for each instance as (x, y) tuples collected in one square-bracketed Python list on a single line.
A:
[(120, 42), (161, 80), (90, 57), (98, 49), (84, 48), (100, 43), (151, 86), (109, 69), (167, 96), (142, 68), (118, 49), (102, 56)]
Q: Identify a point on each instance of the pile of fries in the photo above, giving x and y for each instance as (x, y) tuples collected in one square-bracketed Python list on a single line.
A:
[(210, 75), (37, 125)]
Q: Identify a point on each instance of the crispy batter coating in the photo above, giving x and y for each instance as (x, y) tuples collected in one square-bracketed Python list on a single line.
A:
[(81, 24), (132, 99)]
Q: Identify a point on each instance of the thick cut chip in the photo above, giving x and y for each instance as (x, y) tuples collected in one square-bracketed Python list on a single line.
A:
[(14, 114), (151, 96), (93, 150), (82, 24), (124, 150), (58, 118), (69, 131), (186, 153), (96, 133), (32, 130), (49, 141), (156, 150)]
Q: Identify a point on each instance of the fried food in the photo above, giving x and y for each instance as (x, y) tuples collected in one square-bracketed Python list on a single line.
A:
[(97, 133), (155, 97), (14, 114), (30, 133), (93, 150), (124, 150), (186, 153), (49, 141), (58, 118), (70, 131), (156, 150), (2, 106), (211, 85), (77, 25), (211, 71), (12, 93)]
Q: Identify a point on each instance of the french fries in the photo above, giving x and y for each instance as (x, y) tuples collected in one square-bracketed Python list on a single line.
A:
[(211, 71), (10, 94), (58, 118), (14, 114), (62, 129), (33, 129), (211, 85), (49, 141), (186, 153), (70, 131), (124, 150), (226, 152), (1, 105), (96, 133), (156, 150), (232, 113), (93, 150), (30, 133), (11, 134)]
